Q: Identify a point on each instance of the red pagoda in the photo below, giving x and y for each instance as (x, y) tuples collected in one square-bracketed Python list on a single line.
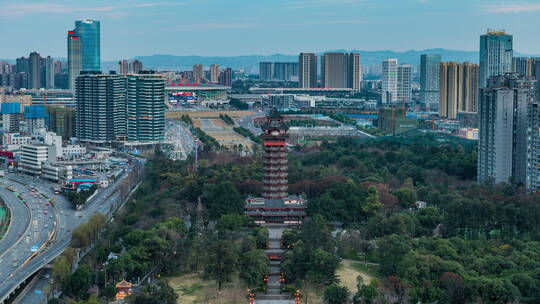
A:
[(276, 205)]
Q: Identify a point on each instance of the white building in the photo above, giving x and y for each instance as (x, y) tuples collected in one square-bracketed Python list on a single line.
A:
[(56, 172), (389, 92), (404, 83), (73, 151), (15, 139), (34, 155)]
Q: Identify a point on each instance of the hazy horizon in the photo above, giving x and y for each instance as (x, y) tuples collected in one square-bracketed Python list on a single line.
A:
[(131, 28)]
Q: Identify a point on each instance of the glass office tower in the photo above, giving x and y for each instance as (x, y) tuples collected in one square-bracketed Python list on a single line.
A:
[(89, 33), (74, 57), (429, 80), (495, 55)]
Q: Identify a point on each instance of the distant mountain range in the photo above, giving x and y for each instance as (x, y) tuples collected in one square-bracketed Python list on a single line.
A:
[(251, 62)]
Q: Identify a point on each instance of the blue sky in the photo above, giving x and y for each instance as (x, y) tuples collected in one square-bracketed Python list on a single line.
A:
[(245, 27)]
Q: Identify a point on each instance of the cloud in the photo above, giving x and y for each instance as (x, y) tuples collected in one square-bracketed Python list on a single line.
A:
[(320, 3), (227, 26), (20, 9), (511, 8)]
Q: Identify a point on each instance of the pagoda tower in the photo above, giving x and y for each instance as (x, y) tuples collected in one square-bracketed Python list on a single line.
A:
[(275, 178)]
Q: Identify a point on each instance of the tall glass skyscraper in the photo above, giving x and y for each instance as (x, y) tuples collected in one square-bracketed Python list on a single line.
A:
[(74, 57), (88, 31), (495, 55), (84, 51), (429, 80)]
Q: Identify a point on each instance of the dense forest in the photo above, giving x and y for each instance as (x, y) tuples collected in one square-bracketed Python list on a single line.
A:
[(406, 204)]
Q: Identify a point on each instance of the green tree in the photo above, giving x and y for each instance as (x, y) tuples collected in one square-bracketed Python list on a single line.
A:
[(253, 266), (222, 198), (77, 284), (335, 294), (366, 294), (406, 197), (158, 293), (372, 206), (221, 262)]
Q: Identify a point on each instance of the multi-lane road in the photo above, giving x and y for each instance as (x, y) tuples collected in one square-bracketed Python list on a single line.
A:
[(40, 231)]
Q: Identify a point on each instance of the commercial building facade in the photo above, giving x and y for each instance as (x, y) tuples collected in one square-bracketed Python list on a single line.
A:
[(145, 108), (458, 88), (307, 70), (404, 83), (198, 73), (503, 124), (341, 70), (429, 80), (101, 107), (389, 81), (214, 73), (496, 52)]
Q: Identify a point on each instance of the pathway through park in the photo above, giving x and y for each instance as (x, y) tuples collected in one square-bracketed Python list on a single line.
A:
[(274, 294)]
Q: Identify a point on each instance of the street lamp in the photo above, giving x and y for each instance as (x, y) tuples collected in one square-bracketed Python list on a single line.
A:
[(297, 297)]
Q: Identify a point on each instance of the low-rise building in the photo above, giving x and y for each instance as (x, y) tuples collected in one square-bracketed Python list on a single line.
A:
[(33, 156), (73, 151), (57, 172)]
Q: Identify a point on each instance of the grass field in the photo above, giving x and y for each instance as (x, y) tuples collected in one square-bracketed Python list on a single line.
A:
[(349, 270), (4, 220), (193, 290)]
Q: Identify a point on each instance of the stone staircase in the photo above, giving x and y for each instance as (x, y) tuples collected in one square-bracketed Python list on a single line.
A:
[(273, 293)]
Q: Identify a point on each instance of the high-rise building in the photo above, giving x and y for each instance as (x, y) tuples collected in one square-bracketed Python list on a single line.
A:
[(6, 67), (62, 120), (225, 77), (404, 83), (198, 73), (89, 32), (389, 80), (49, 72), (123, 67), (214, 73), (532, 172), (341, 70), (34, 61), (285, 71), (35, 118), (307, 70), (278, 71), (266, 71), (11, 116), (136, 66), (84, 49), (22, 65), (458, 88), (496, 54), (101, 107), (429, 80), (74, 46), (503, 122), (450, 93), (524, 65), (470, 91), (145, 107)]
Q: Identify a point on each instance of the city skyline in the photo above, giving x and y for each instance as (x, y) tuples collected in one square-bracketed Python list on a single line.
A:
[(411, 24)]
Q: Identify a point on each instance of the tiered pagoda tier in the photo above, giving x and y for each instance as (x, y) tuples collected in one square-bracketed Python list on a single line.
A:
[(276, 206)]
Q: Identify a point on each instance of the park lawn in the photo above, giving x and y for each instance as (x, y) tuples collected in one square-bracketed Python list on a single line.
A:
[(192, 289), (349, 270)]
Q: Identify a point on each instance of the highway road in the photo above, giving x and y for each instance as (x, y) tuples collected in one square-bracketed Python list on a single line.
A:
[(33, 222), (47, 222)]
